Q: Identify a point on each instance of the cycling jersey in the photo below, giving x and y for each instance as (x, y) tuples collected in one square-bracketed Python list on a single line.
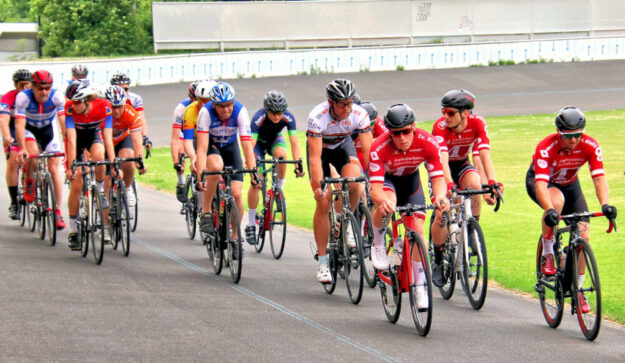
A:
[(179, 113), (555, 164), (458, 146), (7, 107), (222, 133), (39, 115), (265, 131), (100, 113), (190, 118), (333, 132), (129, 122), (377, 129), (386, 159), (135, 101)]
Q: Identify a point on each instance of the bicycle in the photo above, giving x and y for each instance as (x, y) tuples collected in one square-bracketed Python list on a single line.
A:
[(363, 216), (339, 252), (552, 290), (190, 206), (400, 278), (225, 222), (23, 207), (43, 208), (272, 218), (464, 250), (91, 213), (119, 213), (134, 211)]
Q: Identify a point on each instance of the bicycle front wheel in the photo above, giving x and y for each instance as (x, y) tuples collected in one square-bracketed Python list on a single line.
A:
[(586, 286), (97, 226), (352, 258), (420, 285), (123, 220), (235, 242), (550, 291), (366, 233), (190, 207), (134, 211), (277, 224), (475, 265), (48, 203), (213, 245), (391, 296)]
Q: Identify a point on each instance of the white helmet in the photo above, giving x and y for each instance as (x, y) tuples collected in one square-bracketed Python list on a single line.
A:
[(79, 90), (204, 89)]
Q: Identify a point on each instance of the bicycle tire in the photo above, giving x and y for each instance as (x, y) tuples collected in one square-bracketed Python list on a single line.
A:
[(422, 316), (332, 256), (83, 224), (260, 236), (114, 222), (550, 292), (449, 271), (49, 206), (190, 207), (232, 223), (589, 323), (277, 224), (134, 211), (475, 269), (391, 296), (213, 247), (23, 210), (32, 216), (97, 226), (363, 215), (39, 205), (352, 258), (123, 222)]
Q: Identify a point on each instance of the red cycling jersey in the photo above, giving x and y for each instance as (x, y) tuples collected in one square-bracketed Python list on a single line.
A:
[(385, 158), (99, 113), (553, 163), (474, 136)]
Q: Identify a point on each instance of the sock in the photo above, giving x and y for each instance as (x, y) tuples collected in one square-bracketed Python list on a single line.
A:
[(378, 236), (73, 224), (251, 214), (419, 274), (580, 280), (181, 179), (547, 246), (281, 183), (323, 260), (13, 195)]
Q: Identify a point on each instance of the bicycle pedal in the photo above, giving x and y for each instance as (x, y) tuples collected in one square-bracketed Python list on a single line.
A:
[(539, 288)]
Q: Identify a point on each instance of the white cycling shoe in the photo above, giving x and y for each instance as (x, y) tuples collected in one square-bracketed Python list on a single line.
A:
[(379, 259), (323, 273)]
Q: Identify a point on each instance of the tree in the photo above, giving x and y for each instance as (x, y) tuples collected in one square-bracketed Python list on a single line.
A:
[(81, 28), (12, 11)]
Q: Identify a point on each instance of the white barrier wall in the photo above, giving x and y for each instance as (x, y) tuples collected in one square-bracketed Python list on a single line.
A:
[(173, 69)]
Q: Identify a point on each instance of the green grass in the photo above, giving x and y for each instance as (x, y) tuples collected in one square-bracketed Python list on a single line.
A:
[(512, 233)]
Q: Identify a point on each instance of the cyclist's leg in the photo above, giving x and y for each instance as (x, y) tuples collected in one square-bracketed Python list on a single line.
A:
[(214, 162), (575, 202), (378, 252), (12, 173), (278, 150), (252, 193), (232, 157), (469, 177), (350, 167), (31, 148)]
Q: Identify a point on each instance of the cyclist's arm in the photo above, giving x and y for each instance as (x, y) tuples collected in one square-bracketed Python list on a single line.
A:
[(144, 123), (245, 135), (601, 188), (175, 136), (137, 143), (248, 153), (293, 140), (189, 150), (487, 164), (4, 126), (315, 147), (61, 120), (542, 194), (71, 145), (365, 141), (20, 132), (446, 170), (200, 156), (107, 135)]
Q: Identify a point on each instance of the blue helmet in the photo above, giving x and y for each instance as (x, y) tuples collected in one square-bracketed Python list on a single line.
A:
[(222, 92)]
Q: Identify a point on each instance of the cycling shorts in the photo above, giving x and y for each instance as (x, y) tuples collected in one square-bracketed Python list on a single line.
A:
[(126, 143), (44, 137), (262, 148), (574, 200), (407, 189), (460, 168), (85, 138), (230, 155), (338, 157)]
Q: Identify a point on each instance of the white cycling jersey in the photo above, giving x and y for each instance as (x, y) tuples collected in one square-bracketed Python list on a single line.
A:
[(322, 124)]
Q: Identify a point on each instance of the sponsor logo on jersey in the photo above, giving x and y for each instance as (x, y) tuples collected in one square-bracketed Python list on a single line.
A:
[(374, 167), (542, 163)]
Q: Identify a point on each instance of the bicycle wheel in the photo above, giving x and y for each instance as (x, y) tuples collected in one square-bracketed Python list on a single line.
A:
[(41, 205), (83, 224), (23, 210), (277, 224), (422, 315), (449, 274), (49, 207), (235, 243), (589, 287), (333, 266), (33, 216), (366, 232), (475, 265), (123, 221), (260, 237), (352, 258), (134, 211), (550, 291), (190, 206), (114, 216), (213, 247), (97, 226), (391, 296)]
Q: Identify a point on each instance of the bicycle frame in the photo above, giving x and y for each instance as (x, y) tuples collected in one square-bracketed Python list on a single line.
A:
[(269, 194), (403, 274)]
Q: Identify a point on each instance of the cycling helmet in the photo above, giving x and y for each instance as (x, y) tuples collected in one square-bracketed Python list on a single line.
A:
[(357, 100), (204, 89), (398, 116), (275, 102), (192, 87), (458, 98), (120, 78), (222, 92), (371, 110), (22, 75), (79, 90), (340, 89), (42, 77), (79, 71), (116, 95), (570, 118)]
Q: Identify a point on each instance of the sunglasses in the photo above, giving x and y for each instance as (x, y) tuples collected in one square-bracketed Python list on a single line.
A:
[(450, 113), (78, 102), (570, 136), (401, 132), (126, 88), (43, 88)]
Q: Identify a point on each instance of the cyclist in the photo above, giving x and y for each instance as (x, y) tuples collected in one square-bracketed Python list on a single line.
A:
[(126, 138), (35, 109), (457, 133), (377, 129), (177, 143), (134, 100), (394, 173), (21, 81), (267, 125), (79, 72), (219, 122), (328, 143), (552, 183), (85, 112)]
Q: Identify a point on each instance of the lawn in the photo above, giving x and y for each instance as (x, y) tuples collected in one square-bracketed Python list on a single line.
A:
[(512, 233)]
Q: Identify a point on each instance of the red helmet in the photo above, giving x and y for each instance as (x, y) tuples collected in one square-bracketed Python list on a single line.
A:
[(42, 77)]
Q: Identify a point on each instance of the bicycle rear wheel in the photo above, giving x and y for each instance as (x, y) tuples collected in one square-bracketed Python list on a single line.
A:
[(421, 310), (134, 211), (589, 287), (352, 258), (475, 265), (114, 210), (449, 271), (97, 226), (22, 207), (550, 291), (260, 237), (235, 243), (190, 207), (277, 224), (213, 247), (366, 232), (391, 296), (49, 208), (333, 267), (123, 221)]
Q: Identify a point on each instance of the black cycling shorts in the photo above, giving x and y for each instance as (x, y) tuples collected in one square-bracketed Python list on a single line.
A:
[(407, 188), (459, 169), (85, 138), (339, 157), (230, 154)]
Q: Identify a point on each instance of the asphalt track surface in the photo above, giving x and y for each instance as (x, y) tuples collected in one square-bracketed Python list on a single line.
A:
[(164, 303)]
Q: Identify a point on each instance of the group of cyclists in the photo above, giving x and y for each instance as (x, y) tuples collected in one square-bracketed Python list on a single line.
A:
[(344, 136)]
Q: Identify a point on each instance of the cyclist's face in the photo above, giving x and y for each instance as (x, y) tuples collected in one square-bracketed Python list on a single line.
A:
[(118, 111), (341, 108), (42, 92), (22, 85), (224, 110), (80, 106), (402, 138), (453, 116), (275, 117), (571, 138), (203, 101), (125, 87)]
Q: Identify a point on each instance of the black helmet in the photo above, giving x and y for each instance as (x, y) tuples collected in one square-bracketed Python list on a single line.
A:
[(22, 75), (275, 102), (357, 100), (340, 89), (79, 71), (398, 116), (458, 98), (570, 118), (120, 78), (192, 88), (371, 110)]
